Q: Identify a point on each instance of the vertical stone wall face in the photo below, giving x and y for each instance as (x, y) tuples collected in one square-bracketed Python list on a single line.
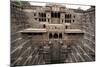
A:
[(18, 23), (89, 29)]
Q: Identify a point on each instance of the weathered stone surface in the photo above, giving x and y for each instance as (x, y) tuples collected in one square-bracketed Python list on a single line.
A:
[(51, 34)]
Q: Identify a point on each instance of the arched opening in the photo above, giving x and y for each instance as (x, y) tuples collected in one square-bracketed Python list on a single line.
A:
[(50, 35), (60, 35), (55, 35), (66, 27), (44, 26)]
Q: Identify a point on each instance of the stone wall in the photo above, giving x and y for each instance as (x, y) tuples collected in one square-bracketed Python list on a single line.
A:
[(89, 29)]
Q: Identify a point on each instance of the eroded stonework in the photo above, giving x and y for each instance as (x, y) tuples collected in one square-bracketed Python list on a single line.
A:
[(51, 34)]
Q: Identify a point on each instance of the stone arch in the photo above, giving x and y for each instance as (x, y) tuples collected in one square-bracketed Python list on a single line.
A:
[(55, 35), (44, 26), (50, 35), (60, 35)]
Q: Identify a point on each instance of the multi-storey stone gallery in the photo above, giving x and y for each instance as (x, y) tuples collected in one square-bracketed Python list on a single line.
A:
[(51, 34)]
